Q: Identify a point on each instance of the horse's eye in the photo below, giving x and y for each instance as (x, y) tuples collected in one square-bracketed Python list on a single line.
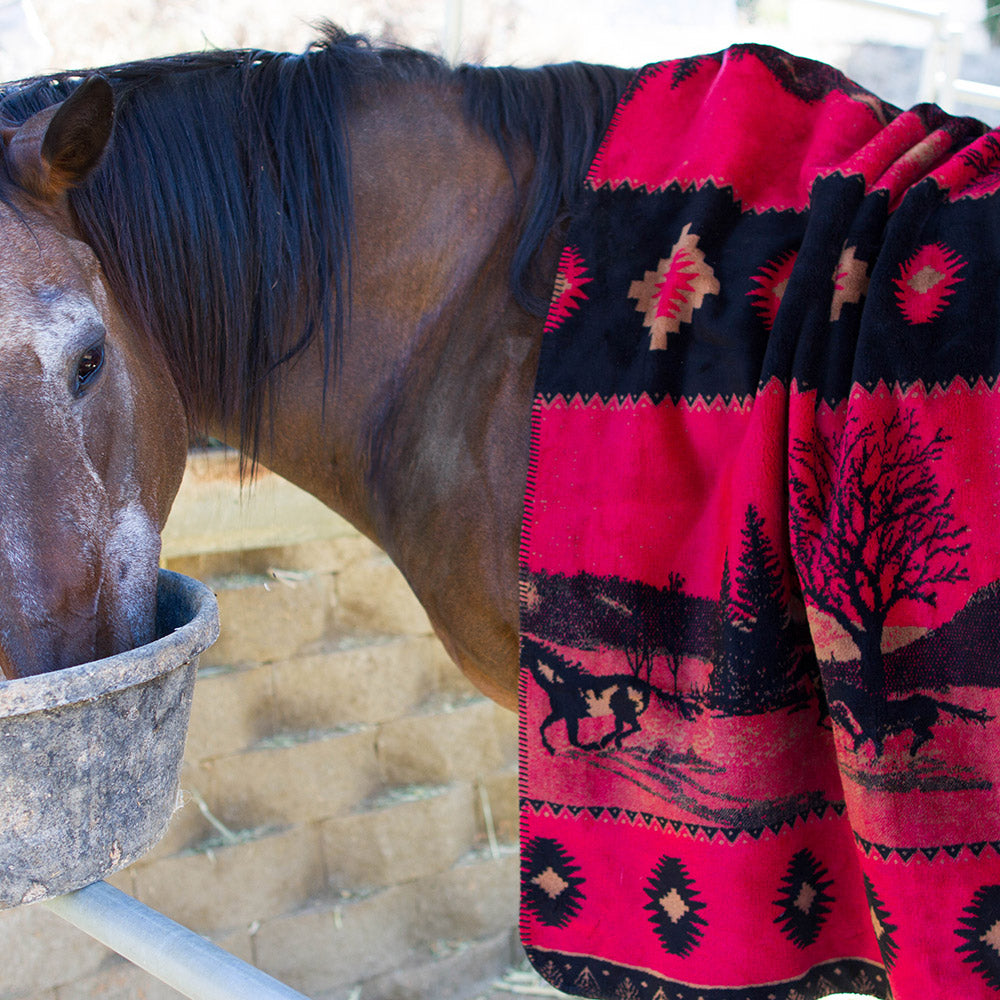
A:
[(89, 364)]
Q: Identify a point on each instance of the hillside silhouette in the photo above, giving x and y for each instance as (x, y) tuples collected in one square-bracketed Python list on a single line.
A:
[(964, 652)]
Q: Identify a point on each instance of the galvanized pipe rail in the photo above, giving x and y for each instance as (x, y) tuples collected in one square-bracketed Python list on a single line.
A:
[(183, 960), (940, 80)]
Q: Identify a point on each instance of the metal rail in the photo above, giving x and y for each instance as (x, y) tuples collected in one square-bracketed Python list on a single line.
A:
[(940, 80), (173, 954)]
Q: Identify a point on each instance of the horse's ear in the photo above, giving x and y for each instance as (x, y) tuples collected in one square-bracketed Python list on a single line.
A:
[(55, 149)]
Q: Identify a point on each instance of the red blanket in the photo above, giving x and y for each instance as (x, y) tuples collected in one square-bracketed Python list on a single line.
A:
[(760, 693)]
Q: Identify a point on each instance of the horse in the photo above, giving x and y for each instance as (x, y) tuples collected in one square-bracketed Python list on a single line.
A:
[(335, 262)]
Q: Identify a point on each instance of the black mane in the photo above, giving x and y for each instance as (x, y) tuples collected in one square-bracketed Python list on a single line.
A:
[(210, 212)]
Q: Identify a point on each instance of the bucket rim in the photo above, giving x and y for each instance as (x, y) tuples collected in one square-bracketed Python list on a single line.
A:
[(95, 679)]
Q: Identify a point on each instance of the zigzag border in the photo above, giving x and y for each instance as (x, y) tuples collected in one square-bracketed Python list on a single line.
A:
[(980, 385), (905, 854), (644, 400), (729, 834)]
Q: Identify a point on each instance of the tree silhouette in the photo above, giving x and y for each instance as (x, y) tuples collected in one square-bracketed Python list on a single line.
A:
[(632, 621), (760, 590), (673, 612), (643, 620), (756, 657), (870, 528)]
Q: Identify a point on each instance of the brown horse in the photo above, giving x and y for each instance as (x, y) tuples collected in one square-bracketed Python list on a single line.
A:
[(336, 262)]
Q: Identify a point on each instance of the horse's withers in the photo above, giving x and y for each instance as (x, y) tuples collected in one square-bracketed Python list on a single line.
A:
[(92, 433)]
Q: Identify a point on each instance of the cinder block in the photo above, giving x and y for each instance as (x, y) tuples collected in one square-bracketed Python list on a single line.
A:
[(457, 743), (120, 980), (372, 595), (325, 947), (214, 565), (122, 880), (263, 619), (505, 722), (238, 943), (233, 886), (323, 555), (43, 952), (500, 792), (368, 681), (322, 949), (293, 779), (462, 971), (475, 899), (187, 825), (231, 710), (452, 683), (403, 837)]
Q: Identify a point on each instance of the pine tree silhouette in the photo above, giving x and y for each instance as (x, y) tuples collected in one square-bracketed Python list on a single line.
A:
[(627, 990), (756, 659), (586, 983), (759, 586)]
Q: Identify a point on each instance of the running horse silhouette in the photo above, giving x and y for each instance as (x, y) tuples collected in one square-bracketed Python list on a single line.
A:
[(339, 263), (915, 713), (575, 695)]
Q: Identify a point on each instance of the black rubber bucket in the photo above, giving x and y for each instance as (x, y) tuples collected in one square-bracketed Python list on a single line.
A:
[(90, 756)]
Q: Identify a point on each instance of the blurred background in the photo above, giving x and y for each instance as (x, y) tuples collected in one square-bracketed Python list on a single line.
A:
[(905, 52)]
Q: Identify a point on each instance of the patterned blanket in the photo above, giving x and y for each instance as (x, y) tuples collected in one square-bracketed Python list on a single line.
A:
[(760, 593)]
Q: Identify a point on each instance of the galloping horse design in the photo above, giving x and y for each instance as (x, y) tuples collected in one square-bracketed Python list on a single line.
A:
[(339, 263), (916, 714), (575, 695)]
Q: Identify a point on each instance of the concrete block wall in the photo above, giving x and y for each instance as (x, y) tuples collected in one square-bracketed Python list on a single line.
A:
[(349, 800)]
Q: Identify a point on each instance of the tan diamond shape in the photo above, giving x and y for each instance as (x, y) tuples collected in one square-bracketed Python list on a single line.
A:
[(925, 279), (992, 937), (673, 905), (805, 898), (551, 883)]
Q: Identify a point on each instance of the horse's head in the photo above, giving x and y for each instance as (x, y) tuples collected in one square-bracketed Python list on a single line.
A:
[(92, 433)]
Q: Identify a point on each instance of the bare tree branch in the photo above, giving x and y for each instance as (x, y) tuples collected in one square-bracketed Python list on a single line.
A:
[(869, 525)]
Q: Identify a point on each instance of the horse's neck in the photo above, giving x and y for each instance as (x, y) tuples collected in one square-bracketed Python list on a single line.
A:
[(424, 445)]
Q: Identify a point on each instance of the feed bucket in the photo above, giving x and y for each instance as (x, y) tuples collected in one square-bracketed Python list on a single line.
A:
[(90, 755)]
